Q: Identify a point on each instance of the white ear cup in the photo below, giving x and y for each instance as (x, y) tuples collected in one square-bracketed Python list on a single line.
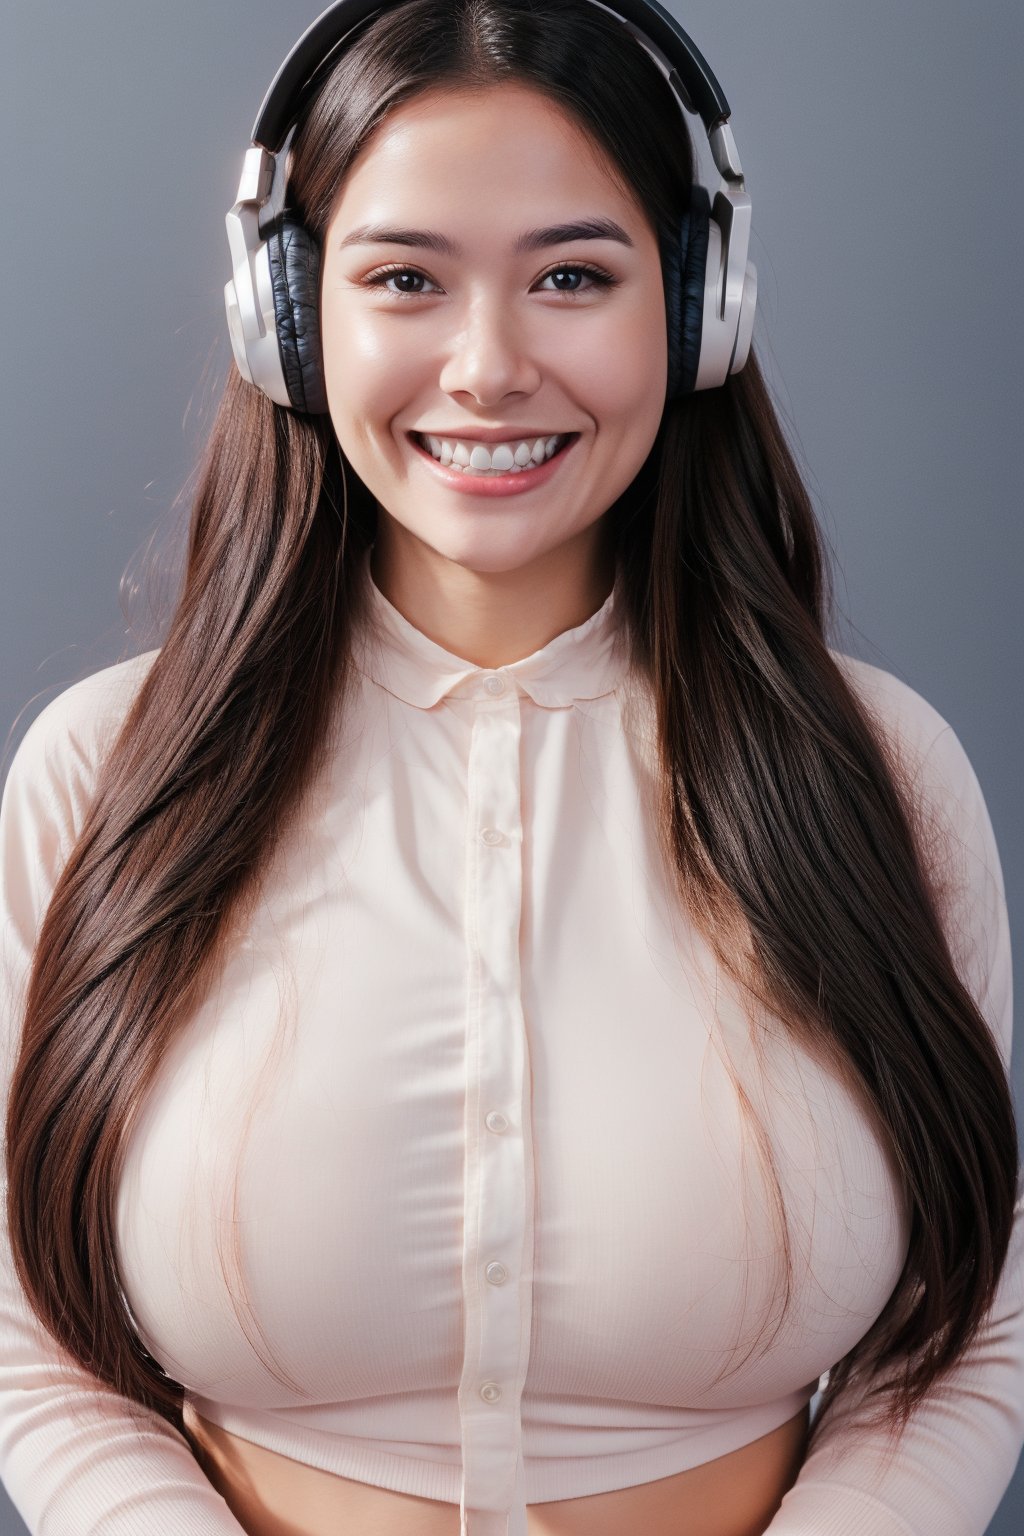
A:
[(748, 307), (235, 330), (249, 293), (730, 291)]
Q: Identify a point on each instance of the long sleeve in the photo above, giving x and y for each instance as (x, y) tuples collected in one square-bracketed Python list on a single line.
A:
[(959, 1450), (75, 1457)]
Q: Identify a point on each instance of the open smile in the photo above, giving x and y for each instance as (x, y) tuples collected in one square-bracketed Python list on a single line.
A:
[(510, 483)]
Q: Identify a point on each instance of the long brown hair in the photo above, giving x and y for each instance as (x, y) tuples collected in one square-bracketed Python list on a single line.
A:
[(783, 813)]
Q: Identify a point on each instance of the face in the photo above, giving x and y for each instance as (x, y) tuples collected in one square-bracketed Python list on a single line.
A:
[(483, 336)]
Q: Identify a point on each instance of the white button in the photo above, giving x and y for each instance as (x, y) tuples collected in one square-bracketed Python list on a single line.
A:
[(490, 1391), (491, 835), (495, 685), (496, 1273), (496, 1121)]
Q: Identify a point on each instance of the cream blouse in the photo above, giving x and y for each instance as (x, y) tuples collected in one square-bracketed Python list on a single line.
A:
[(447, 1186)]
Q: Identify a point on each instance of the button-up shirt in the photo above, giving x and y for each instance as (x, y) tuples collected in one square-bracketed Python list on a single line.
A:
[(449, 1184)]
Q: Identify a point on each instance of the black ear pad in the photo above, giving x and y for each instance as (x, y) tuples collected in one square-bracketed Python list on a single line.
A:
[(687, 322), (672, 279), (295, 279)]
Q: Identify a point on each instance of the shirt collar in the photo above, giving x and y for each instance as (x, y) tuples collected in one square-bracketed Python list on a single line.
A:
[(580, 663)]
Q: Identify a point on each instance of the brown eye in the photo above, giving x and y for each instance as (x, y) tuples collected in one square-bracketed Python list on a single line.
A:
[(598, 275), (384, 274)]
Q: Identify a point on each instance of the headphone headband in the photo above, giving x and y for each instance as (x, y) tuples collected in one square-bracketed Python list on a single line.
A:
[(676, 54)]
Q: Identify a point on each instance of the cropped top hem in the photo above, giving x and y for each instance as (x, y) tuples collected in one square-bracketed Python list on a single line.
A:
[(434, 1472)]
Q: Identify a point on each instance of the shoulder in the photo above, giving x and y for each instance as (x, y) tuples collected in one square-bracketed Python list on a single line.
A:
[(903, 713), (925, 740), (47, 791), (958, 838), (83, 720), (58, 758)]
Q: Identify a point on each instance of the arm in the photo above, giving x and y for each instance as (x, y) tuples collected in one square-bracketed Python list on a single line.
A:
[(75, 1457), (959, 1450)]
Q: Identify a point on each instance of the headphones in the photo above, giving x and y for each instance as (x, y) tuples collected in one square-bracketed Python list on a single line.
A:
[(272, 299)]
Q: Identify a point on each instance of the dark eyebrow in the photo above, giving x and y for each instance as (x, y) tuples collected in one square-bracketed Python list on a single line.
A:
[(530, 240)]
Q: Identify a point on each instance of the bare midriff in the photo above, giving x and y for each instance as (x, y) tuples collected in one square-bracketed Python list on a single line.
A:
[(271, 1495)]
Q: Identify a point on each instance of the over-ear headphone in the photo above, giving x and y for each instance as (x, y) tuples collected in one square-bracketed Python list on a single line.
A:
[(272, 299)]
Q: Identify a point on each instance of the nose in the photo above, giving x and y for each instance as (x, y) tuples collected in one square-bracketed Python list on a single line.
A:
[(490, 356)]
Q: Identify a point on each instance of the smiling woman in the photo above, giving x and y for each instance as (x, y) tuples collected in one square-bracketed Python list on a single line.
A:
[(490, 347), (500, 1012)]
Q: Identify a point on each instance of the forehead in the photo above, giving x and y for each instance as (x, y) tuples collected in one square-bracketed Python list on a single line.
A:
[(441, 149)]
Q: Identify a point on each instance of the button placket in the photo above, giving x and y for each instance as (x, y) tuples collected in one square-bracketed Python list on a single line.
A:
[(498, 1225)]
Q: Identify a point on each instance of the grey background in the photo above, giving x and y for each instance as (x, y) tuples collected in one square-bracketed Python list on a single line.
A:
[(878, 143)]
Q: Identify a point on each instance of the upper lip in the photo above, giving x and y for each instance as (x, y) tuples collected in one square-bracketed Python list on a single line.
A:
[(490, 434)]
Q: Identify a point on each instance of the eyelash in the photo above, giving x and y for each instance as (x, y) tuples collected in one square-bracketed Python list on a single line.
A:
[(602, 278)]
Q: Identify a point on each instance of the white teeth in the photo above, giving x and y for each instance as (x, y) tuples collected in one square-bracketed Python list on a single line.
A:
[(498, 458)]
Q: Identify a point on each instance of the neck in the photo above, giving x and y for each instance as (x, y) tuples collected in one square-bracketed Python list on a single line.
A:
[(492, 618)]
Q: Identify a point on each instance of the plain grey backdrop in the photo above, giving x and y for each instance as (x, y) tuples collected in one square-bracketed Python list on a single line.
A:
[(881, 145)]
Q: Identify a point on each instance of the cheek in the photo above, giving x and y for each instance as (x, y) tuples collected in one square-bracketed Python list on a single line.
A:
[(351, 333), (627, 363), (645, 357), (357, 347), (363, 373)]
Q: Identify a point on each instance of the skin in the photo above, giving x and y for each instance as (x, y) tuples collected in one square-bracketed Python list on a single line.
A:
[(491, 338)]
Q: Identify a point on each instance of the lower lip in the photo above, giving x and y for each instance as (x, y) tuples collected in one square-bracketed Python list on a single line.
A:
[(496, 485)]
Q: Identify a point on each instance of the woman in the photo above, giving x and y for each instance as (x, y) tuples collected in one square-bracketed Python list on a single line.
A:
[(643, 961)]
